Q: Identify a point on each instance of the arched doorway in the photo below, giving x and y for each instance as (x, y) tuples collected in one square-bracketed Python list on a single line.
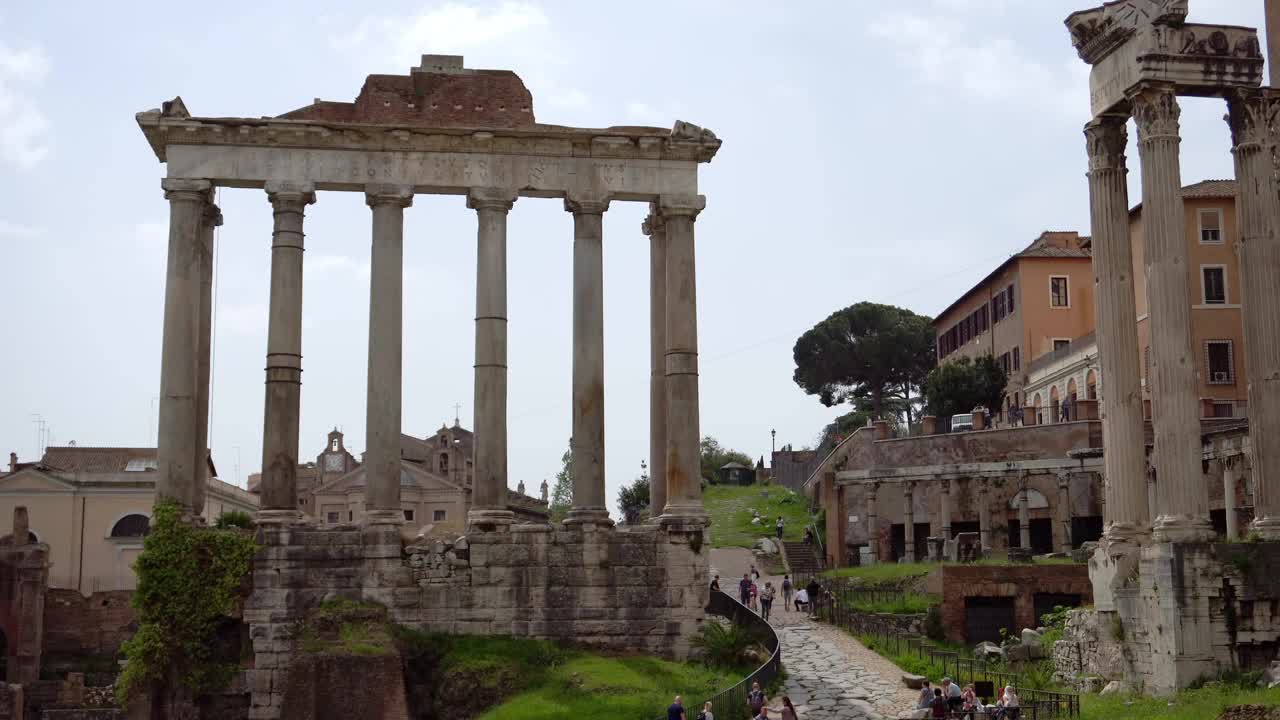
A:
[(133, 525), (1091, 385), (1054, 406), (1036, 404), (1069, 412)]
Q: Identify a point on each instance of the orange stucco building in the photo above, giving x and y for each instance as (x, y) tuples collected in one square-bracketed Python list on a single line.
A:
[(1036, 301)]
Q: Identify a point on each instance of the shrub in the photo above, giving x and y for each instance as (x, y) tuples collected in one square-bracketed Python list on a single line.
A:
[(234, 519), (723, 644), (933, 627)]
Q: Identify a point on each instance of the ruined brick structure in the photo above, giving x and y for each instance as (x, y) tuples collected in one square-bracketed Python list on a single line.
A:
[(24, 577), (1020, 593)]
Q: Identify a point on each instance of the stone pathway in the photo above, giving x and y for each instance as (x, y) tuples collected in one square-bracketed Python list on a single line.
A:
[(830, 675)]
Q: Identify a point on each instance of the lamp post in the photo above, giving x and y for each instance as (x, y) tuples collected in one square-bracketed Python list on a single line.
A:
[(773, 441)]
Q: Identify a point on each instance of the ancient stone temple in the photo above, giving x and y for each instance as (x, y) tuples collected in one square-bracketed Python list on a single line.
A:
[(1187, 605), (446, 129)]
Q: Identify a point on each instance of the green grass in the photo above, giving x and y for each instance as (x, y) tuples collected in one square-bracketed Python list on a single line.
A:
[(909, 603), (625, 688), (885, 573), (730, 508), (1203, 704)]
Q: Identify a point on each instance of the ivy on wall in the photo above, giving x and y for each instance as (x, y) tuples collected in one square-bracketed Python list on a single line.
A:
[(189, 580)]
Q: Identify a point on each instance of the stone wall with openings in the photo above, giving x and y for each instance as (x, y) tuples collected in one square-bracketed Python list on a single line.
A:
[(636, 589), (1045, 585)]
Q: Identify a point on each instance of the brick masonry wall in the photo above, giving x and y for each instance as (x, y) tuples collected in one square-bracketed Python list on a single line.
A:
[(638, 589), (11, 706), (75, 625), (1021, 582)]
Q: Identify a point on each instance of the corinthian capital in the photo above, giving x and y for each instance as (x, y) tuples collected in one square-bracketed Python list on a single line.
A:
[(1105, 139), (1251, 114), (1156, 112)]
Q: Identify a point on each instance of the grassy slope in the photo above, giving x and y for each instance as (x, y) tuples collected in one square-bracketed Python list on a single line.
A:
[(730, 509), (621, 688), (1203, 704)]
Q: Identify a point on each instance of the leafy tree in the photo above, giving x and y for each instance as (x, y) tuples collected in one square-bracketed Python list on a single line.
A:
[(633, 499), (714, 456), (874, 356), (960, 385), (562, 491)]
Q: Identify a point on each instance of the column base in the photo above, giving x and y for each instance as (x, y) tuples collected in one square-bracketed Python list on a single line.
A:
[(1266, 527), (279, 517), (685, 512), (596, 516), (1181, 528), (489, 519), (1122, 537), (384, 517)]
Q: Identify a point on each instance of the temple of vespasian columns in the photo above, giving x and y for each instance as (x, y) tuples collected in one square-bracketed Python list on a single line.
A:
[(446, 129), (1186, 604)]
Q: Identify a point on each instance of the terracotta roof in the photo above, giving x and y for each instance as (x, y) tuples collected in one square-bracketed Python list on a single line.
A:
[(95, 459), (1050, 243), (1211, 189)]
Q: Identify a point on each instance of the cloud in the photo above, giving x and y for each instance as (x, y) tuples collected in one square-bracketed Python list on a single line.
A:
[(339, 264), (945, 52), (23, 127), (18, 231)]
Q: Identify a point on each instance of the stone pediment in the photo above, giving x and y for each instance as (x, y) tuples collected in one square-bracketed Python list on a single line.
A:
[(34, 480), (411, 475)]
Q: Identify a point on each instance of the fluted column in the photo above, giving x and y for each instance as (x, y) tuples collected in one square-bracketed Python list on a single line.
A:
[(588, 360), (1252, 119), (386, 324), (1024, 516), (684, 481), (1229, 466), (210, 220), (1183, 499), (489, 489), (1064, 511), (944, 508), (1127, 518), (284, 353), (909, 519), (873, 525), (179, 366), (654, 227), (984, 515)]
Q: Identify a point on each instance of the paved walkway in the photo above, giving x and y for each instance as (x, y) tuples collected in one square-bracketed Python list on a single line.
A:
[(830, 675)]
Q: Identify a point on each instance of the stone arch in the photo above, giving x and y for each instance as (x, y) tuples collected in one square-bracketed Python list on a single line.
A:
[(1070, 399), (1036, 500), (1091, 385), (1054, 404), (1035, 404), (131, 525)]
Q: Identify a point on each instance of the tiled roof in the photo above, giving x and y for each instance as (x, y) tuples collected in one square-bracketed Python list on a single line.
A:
[(94, 459), (1211, 189)]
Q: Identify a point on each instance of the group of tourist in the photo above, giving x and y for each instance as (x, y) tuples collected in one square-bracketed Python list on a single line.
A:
[(761, 600), (756, 703), (949, 698)]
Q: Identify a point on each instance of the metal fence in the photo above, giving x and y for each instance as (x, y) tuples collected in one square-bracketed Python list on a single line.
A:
[(731, 703), (835, 602)]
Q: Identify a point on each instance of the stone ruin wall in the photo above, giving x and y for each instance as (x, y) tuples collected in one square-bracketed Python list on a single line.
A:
[(1189, 610), (636, 589)]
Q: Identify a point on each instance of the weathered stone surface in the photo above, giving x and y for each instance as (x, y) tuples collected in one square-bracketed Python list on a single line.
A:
[(1116, 687)]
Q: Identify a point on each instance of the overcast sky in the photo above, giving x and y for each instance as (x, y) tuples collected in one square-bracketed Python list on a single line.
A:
[(887, 151)]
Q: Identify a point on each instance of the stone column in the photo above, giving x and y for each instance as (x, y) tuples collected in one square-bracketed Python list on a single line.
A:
[(684, 488), (284, 353), (909, 519), (386, 323), (1127, 516), (1064, 510), (1252, 133), (657, 231), (984, 515), (1229, 465), (1183, 499), (873, 528), (179, 366), (588, 361), (489, 489), (210, 220), (944, 508), (1024, 517)]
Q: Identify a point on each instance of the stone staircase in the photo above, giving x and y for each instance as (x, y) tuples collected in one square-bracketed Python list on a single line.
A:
[(802, 559)]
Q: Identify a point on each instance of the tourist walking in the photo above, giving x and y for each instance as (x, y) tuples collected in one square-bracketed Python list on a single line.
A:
[(786, 592), (755, 574), (778, 526), (788, 710), (675, 711), (706, 713), (744, 589), (764, 714), (766, 600), (755, 595), (755, 699)]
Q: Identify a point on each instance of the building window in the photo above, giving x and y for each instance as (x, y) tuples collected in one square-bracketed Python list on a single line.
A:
[(1214, 284), (351, 515), (1058, 291), (1059, 344), (331, 517), (334, 445), (1224, 409), (1017, 361), (439, 515), (997, 307), (1210, 227), (1220, 361), (134, 525), (444, 462), (1009, 290), (408, 515)]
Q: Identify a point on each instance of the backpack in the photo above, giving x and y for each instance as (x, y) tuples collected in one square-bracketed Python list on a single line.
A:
[(702, 715)]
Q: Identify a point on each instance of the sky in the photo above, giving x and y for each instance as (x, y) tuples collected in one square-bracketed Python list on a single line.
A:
[(892, 152)]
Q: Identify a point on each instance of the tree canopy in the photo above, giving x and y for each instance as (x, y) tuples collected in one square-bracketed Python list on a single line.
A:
[(960, 385), (633, 499), (562, 491), (874, 356), (714, 456)]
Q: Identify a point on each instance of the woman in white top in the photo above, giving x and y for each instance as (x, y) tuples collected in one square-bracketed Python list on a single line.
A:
[(706, 713)]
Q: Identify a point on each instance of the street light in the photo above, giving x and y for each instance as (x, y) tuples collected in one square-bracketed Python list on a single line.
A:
[(773, 441)]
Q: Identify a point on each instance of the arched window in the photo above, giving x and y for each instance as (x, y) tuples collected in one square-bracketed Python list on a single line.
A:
[(1091, 385), (334, 445), (133, 525), (444, 462)]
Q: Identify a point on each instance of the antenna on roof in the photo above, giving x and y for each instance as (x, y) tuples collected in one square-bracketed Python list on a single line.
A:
[(457, 408)]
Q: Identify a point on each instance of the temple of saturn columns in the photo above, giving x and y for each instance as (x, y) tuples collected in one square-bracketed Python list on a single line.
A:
[(1186, 604), (446, 129)]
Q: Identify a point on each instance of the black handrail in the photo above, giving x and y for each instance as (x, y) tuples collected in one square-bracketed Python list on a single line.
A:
[(731, 703)]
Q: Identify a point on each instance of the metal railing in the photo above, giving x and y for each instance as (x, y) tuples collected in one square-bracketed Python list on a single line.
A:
[(835, 603), (731, 703)]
